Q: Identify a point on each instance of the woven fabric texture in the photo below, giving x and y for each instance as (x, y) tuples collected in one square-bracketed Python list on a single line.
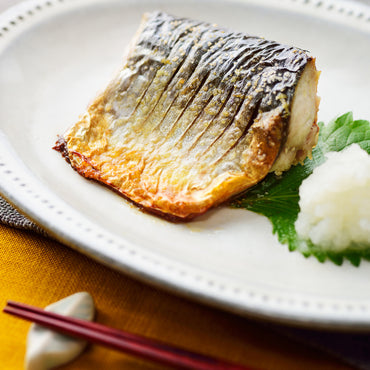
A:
[(11, 217)]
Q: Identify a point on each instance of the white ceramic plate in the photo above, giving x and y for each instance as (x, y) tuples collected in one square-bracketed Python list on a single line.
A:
[(55, 55)]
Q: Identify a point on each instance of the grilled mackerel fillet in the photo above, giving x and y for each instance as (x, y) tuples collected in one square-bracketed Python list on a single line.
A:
[(197, 114)]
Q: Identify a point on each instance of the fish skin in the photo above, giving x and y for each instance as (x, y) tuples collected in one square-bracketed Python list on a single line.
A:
[(197, 114)]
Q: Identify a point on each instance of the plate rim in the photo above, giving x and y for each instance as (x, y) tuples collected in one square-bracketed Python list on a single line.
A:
[(20, 189)]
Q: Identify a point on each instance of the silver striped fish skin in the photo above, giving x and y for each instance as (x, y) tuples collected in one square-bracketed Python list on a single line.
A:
[(197, 114)]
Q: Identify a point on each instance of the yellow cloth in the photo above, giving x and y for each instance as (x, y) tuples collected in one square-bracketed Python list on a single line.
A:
[(40, 271)]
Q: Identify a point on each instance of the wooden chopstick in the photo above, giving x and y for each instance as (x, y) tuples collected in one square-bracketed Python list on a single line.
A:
[(88, 324), (119, 340)]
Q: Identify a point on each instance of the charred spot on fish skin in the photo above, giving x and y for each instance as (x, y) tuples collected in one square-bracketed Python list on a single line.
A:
[(61, 147)]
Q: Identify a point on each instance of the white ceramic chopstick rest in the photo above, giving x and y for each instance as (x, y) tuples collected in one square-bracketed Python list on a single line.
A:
[(47, 349)]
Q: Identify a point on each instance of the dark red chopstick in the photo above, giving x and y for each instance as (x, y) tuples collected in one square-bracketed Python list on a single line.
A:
[(88, 324), (118, 340)]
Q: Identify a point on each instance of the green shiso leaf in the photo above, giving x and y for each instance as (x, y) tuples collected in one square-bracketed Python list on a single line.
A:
[(277, 197)]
